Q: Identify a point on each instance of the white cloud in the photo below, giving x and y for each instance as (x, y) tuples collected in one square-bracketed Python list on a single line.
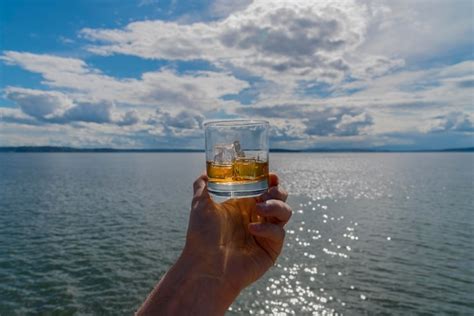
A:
[(453, 121), (283, 41), (200, 90), (143, 3), (45, 64), (327, 72), (395, 103), (223, 8), (421, 29)]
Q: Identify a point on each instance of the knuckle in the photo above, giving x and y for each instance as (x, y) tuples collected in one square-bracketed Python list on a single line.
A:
[(273, 192), (197, 183), (265, 196)]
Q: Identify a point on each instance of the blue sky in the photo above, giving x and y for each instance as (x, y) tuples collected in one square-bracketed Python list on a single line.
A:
[(148, 73)]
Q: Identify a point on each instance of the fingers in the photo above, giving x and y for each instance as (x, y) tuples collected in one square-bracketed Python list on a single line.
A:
[(275, 193), (267, 230), (272, 180), (275, 208)]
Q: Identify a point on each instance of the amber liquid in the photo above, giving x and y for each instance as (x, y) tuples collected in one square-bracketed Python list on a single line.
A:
[(241, 170)]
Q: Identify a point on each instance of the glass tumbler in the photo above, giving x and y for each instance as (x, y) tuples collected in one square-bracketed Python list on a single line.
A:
[(236, 158)]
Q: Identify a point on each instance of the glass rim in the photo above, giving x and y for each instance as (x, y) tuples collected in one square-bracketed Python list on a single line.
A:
[(237, 122)]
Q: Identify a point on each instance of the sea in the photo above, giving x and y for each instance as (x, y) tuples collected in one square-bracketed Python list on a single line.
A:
[(371, 233)]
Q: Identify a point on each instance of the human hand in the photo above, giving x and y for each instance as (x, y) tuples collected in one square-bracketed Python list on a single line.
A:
[(228, 246), (239, 240)]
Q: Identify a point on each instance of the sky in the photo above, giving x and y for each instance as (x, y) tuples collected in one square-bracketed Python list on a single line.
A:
[(326, 74)]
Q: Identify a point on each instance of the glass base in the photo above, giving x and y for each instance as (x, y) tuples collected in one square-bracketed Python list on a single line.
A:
[(234, 190)]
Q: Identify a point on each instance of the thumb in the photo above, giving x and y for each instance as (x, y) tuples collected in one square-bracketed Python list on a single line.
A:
[(200, 186)]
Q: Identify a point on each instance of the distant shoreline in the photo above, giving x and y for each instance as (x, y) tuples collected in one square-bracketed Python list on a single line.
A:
[(57, 149)]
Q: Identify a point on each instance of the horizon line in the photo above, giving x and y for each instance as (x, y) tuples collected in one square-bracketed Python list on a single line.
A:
[(58, 149)]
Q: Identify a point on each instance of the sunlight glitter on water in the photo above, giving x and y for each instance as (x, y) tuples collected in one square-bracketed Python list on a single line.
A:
[(295, 289), (91, 234)]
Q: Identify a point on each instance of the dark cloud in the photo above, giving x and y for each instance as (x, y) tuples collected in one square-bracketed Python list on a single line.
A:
[(292, 41), (169, 97), (184, 124), (55, 107), (336, 121), (284, 133), (38, 104), (469, 83), (87, 112), (182, 120), (7, 118), (290, 34), (454, 121), (130, 118)]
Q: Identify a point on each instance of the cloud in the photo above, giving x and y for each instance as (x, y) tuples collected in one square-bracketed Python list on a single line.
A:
[(413, 140), (56, 107), (142, 3), (323, 72), (39, 104), (45, 64), (351, 123), (200, 89), (419, 30), (181, 124), (328, 121), (223, 8), (182, 120), (16, 116), (453, 121), (130, 118), (282, 41), (88, 112), (467, 83), (420, 93), (337, 122)]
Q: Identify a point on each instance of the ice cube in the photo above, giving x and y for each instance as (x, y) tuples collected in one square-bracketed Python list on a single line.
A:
[(224, 154), (238, 150)]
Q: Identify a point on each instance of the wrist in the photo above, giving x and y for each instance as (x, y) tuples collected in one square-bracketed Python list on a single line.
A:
[(208, 271), (193, 286)]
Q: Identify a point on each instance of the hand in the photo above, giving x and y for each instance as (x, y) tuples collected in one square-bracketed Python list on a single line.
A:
[(239, 240), (228, 246)]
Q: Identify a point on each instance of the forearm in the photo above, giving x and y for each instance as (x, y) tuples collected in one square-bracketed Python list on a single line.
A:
[(189, 288)]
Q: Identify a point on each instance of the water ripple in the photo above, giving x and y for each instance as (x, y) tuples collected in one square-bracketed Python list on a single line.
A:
[(371, 233)]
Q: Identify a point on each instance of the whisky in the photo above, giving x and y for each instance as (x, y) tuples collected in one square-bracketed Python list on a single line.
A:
[(236, 158), (240, 170)]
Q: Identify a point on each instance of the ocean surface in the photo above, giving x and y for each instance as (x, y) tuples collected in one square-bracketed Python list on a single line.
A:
[(371, 234)]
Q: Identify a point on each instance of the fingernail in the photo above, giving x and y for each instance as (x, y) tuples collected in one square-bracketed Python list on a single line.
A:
[(262, 206)]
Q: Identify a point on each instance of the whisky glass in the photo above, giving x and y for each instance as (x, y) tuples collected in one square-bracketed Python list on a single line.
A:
[(236, 158)]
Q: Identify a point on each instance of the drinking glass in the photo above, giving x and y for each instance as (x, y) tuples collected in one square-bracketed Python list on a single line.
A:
[(236, 158)]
